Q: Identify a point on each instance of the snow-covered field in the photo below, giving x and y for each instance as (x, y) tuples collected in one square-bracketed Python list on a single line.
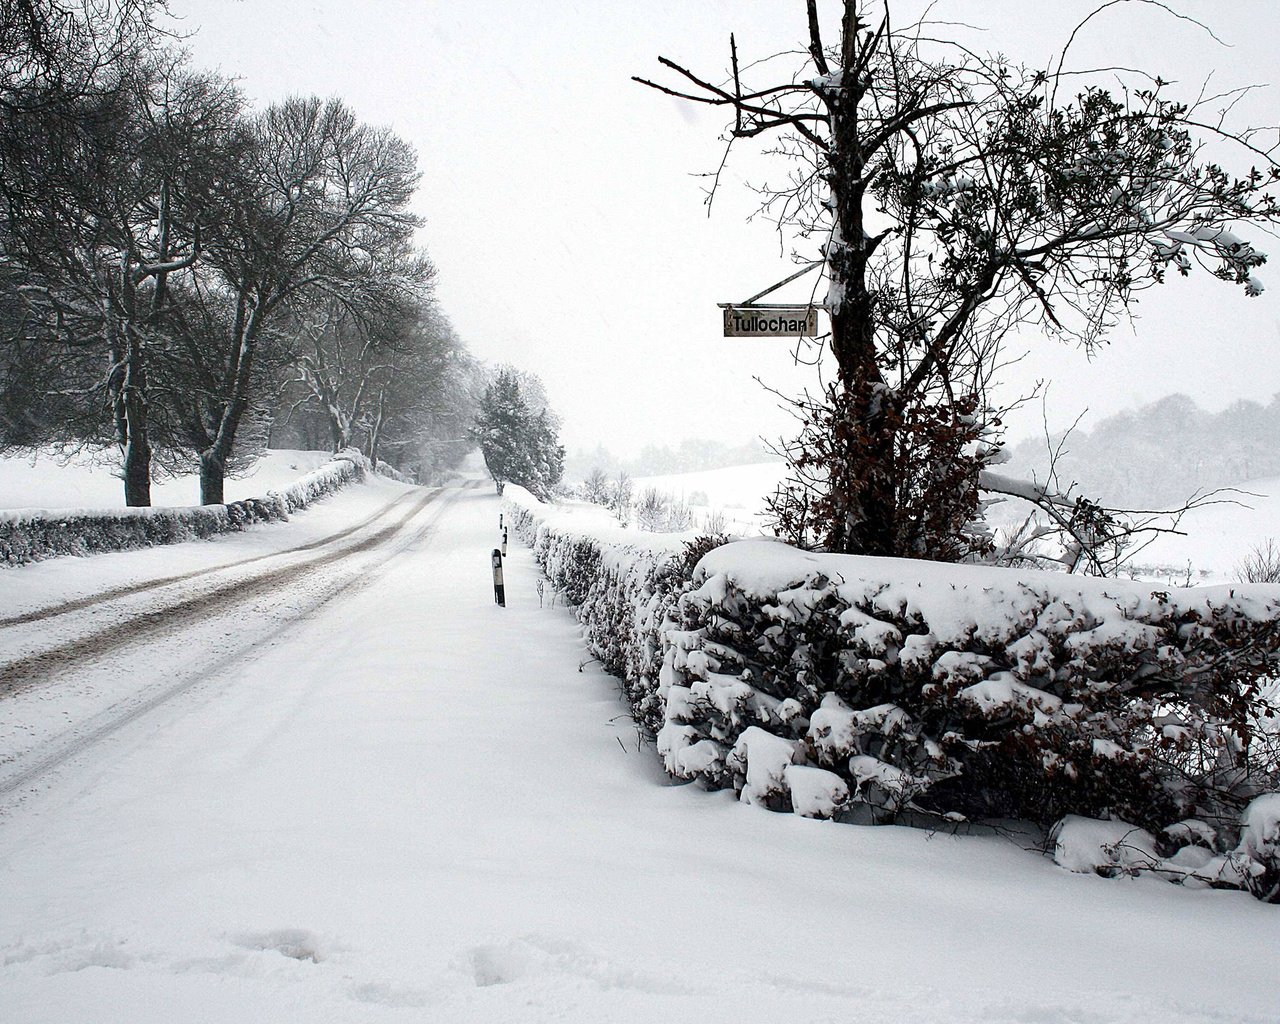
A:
[(1220, 536), (45, 480), (400, 802), (735, 492), (1217, 537)]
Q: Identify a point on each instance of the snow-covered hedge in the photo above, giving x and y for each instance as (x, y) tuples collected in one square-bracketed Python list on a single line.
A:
[(391, 473), (29, 535), (1187, 852), (971, 692), (836, 686)]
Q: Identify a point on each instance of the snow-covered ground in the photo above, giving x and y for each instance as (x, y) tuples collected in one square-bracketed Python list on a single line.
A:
[(404, 803), (45, 480), (1217, 537), (1222, 535), (735, 492)]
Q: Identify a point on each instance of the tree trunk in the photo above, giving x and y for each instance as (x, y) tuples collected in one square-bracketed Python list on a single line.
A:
[(375, 428), (131, 417), (213, 460), (865, 507), (213, 471)]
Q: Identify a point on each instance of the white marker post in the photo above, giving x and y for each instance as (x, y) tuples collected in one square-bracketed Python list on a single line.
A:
[(504, 542), (499, 591)]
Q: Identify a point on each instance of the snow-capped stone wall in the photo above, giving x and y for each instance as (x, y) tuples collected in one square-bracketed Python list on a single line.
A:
[(29, 535), (841, 686)]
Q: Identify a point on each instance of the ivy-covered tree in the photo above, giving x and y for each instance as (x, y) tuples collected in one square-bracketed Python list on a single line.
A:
[(520, 444)]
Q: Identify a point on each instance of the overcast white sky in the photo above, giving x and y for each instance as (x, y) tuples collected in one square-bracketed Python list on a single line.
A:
[(569, 231)]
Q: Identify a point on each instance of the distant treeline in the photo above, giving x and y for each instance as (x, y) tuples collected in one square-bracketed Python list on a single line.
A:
[(1161, 453), (690, 456)]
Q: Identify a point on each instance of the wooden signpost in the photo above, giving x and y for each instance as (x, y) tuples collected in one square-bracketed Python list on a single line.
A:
[(751, 319), (770, 321)]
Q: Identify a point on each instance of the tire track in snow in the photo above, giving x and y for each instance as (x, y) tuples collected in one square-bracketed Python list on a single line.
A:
[(37, 669), (28, 768), (128, 590)]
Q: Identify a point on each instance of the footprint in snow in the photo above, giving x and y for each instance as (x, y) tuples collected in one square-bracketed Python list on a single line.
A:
[(295, 943), (497, 965)]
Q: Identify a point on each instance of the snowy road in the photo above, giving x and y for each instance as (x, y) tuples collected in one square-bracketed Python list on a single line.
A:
[(74, 671), (356, 790)]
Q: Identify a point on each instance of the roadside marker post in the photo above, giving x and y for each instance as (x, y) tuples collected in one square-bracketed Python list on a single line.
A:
[(499, 591), (504, 542)]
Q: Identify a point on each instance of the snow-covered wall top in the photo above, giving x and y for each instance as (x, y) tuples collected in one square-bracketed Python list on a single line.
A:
[(954, 598)]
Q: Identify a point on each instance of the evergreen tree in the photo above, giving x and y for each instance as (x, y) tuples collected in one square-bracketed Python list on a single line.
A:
[(519, 446)]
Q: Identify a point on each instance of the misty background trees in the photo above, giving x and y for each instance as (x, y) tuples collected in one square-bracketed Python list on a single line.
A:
[(1160, 452), (184, 279)]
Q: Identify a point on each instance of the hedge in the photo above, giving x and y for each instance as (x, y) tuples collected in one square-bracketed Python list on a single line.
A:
[(888, 690), (29, 535)]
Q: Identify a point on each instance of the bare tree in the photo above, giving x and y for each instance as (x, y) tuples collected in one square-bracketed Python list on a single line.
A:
[(954, 199), (423, 405), (54, 53), (319, 207), (351, 344), (595, 488), (1262, 564), (104, 205)]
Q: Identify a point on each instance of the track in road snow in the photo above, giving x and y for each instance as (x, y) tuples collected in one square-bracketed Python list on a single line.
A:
[(102, 653), (138, 627)]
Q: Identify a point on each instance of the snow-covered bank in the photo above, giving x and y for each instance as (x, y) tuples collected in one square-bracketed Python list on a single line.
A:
[(45, 479), (417, 807)]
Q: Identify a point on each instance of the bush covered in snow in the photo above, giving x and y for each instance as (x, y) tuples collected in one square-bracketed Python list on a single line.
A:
[(837, 685), (1188, 852), (968, 692), (391, 473), (29, 535)]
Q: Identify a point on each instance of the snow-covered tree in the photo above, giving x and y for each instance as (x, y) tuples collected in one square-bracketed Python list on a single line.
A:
[(108, 198), (352, 347), (595, 486), (319, 205), (952, 199), (419, 416), (519, 445)]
